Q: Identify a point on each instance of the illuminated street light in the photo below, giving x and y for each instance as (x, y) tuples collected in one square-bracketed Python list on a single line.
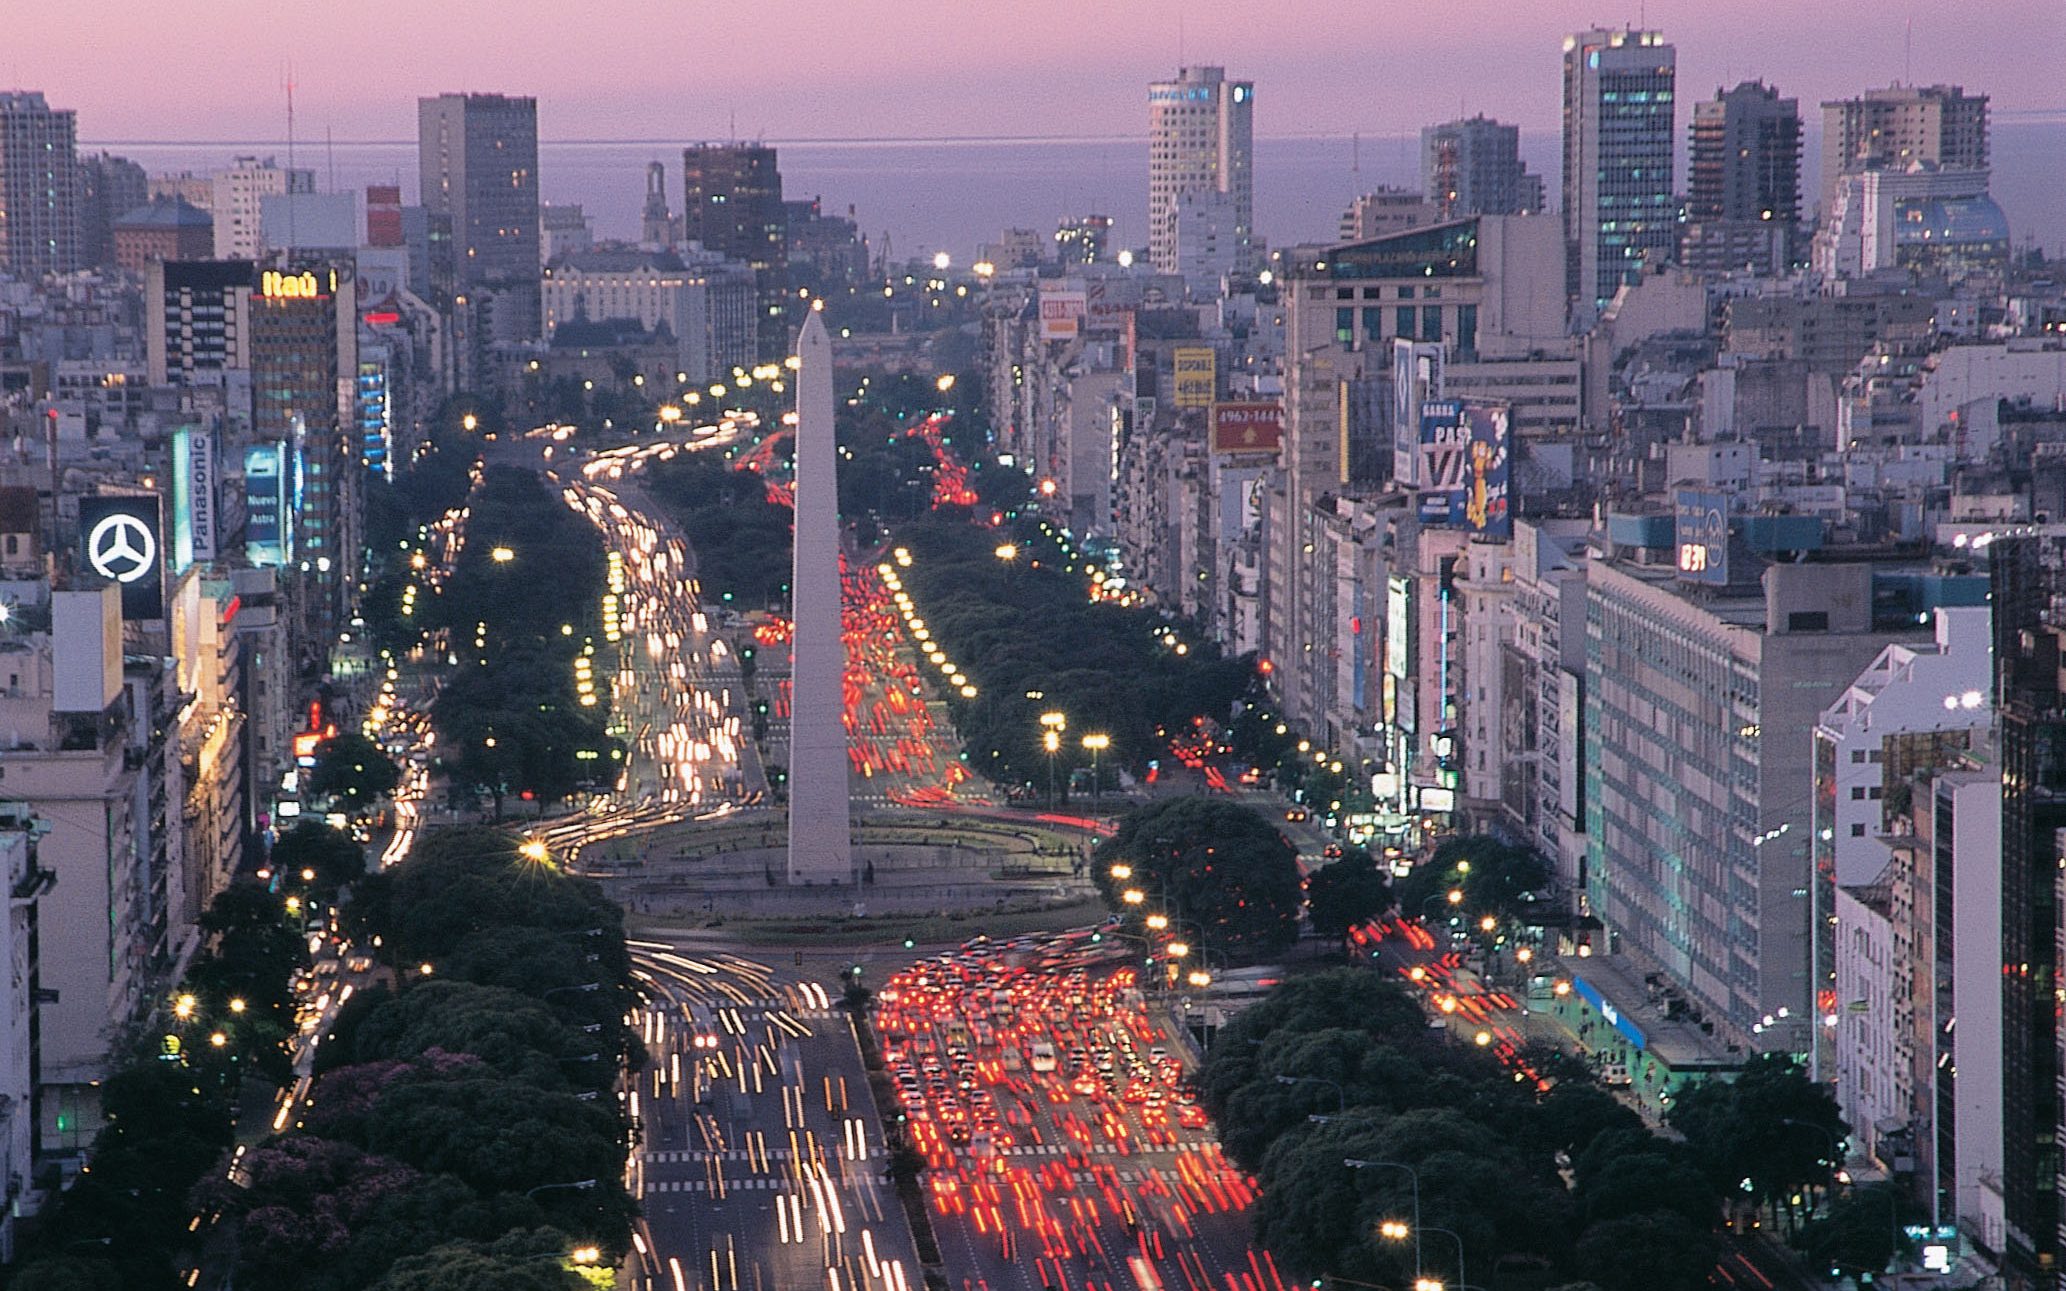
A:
[(1097, 742), (1133, 896), (1007, 551), (534, 850), (469, 422), (941, 260), (1456, 896), (1122, 871), (218, 1039), (1158, 921), (1394, 1230), (183, 1007), (1199, 978), (502, 555), (945, 383), (585, 1255), (1178, 949), (237, 1005)]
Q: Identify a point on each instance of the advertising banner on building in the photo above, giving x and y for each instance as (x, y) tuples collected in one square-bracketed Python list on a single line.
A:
[(1416, 379), (193, 498), (120, 539), (266, 512), (1703, 536), (1196, 376), (1247, 427), (1465, 466), (1061, 315)]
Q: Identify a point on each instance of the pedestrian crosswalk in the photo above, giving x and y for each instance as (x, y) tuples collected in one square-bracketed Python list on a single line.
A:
[(1096, 1150), (678, 1155), (771, 1183)]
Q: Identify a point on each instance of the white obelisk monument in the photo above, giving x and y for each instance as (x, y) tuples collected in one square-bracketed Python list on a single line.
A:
[(820, 840)]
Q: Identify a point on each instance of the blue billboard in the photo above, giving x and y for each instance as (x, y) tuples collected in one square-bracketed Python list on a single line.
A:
[(267, 512), (1466, 466), (1702, 536)]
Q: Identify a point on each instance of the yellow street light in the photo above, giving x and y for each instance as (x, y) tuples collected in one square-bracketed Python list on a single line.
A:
[(1007, 551), (469, 422), (1051, 742), (1133, 896), (218, 1039), (1199, 978), (1456, 896), (237, 1005), (1055, 721), (1122, 871), (1524, 955), (534, 850), (586, 1255), (1487, 924), (183, 1007), (1482, 1039), (502, 555), (1393, 1230), (1562, 988), (424, 968), (1158, 921), (1179, 949), (1427, 1284), (945, 383), (1097, 743)]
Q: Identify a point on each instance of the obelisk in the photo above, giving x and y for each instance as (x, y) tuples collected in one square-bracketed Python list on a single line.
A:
[(820, 840)]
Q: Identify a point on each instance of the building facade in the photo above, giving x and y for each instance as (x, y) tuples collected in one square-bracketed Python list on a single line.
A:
[(39, 186), (732, 206), (477, 157), (1200, 138), (1619, 204), (1472, 166), (1898, 126)]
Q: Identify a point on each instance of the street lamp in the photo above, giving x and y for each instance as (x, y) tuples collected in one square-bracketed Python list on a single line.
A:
[(1122, 871), (534, 850), (1097, 742), (1052, 724), (1412, 1175), (578, 1185), (1006, 552), (1341, 1100)]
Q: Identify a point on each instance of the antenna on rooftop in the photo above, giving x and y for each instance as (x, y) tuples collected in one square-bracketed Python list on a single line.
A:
[(1908, 52)]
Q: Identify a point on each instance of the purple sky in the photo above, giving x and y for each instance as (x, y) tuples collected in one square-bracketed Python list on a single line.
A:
[(873, 68)]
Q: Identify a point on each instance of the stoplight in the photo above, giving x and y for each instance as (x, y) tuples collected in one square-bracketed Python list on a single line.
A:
[(909, 943), (1097, 937)]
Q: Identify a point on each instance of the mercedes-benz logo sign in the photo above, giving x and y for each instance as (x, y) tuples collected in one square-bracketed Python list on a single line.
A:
[(121, 547)]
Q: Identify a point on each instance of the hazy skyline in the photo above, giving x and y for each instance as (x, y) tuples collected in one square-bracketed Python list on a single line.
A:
[(794, 69)]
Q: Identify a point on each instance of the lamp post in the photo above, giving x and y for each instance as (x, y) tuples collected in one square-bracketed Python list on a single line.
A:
[(1412, 1175), (578, 1185), (1341, 1100), (1096, 742), (1052, 725)]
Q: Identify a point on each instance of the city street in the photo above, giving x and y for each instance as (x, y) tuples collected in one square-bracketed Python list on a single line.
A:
[(759, 1165)]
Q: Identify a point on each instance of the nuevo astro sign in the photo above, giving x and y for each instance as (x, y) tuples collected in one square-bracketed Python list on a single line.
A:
[(119, 540)]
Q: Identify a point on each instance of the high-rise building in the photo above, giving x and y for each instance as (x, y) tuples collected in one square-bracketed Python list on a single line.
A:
[(384, 216), (39, 186), (2028, 579), (1084, 240), (304, 366), (1386, 211), (477, 155), (1200, 138), (1895, 127), (1473, 166), (732, 205), (197, 320), (237, 203), (109, 188), (1619, 208), (1746, 174)]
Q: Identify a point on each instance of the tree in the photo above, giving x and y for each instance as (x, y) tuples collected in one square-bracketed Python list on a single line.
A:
[(1216, 863), (1657, 1251), (1496, 878), (1860, 1234), (353, 771), (318, 856), (1772, 1128), (1346, 893), (522, 1261)]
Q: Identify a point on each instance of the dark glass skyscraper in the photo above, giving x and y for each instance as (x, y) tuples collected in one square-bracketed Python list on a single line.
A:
[(1619, 209), (732, 204), (478, 158)]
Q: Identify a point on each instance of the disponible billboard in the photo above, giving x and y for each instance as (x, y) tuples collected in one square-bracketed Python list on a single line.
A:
[(1465, 464), (1195, 368), (1247, 427)]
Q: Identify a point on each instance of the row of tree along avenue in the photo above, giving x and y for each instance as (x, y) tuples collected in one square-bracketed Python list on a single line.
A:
[(1362, 1120)]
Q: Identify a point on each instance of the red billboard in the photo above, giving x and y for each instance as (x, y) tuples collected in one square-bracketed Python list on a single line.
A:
[(1247, 427)]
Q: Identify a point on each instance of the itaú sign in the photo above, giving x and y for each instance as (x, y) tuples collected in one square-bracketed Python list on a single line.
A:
[(274, 285)]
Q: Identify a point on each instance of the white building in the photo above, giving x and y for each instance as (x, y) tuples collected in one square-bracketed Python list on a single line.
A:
[(704, 301), (238, 203), (27, 882), (1200, 137), (1207, 240), (1922, 217)]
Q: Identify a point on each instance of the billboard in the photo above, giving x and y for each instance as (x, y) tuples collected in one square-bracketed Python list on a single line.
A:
[(1247, 427), (1061, 315), (1196, 376), (1703, 536), (193, 498), (1416, 379), (1466, 467), (121, 539), (266, 509)]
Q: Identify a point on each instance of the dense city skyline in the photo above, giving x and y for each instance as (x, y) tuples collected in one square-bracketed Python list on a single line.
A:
[(1087, 65)]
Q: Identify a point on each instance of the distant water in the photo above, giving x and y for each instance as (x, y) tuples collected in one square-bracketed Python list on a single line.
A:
[(958, 193)]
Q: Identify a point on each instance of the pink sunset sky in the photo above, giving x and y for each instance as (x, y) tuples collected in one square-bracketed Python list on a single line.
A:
[(791, 69)]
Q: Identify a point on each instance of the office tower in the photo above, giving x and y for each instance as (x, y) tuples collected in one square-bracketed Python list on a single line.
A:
[(39, 186), (197, 321), (384, 216), (1619, 208), (1200, 132), (304, 362), (238, 195), (1745, 200), (1895, 127), (1472, 166), (162, 231), (732, 205), (477, 155), (820, 833), (2028, 581), (1386, 211), (1084, 240), (109, 188), (707, 303)]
